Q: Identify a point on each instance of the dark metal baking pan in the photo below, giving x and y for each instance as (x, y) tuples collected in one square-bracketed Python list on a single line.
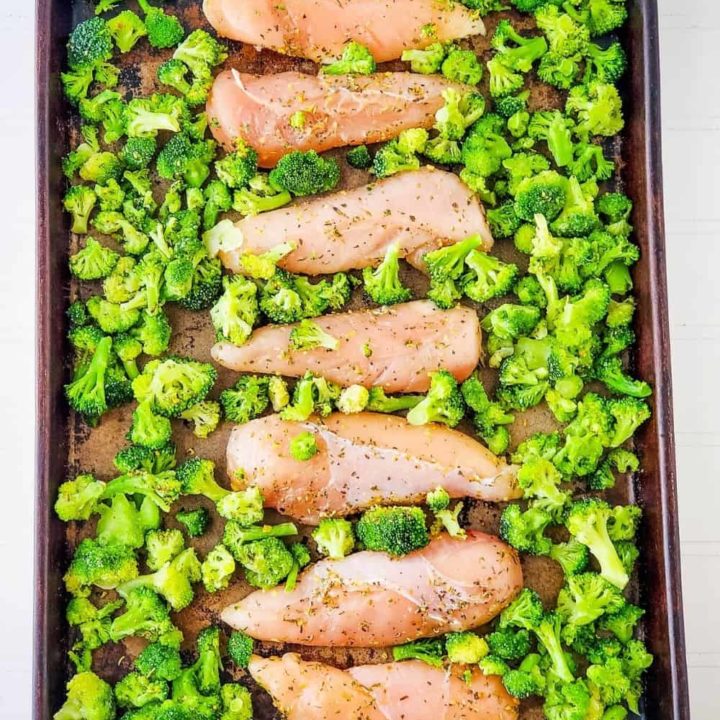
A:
[(64, 445)]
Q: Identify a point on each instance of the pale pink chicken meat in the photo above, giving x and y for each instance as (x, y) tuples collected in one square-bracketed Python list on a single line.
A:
[(410, 690), (394, 348), (319, 29), (337, 110), (369, 599), (362, 460), (419, 211)]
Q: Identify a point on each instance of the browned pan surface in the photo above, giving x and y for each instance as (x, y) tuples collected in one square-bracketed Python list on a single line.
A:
[(66, 446)]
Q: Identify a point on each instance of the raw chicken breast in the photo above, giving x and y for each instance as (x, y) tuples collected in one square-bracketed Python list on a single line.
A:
[(410, 690), (370, 599), (318, 29), (362, 460), (339, 110), (313, 691), (419, 210), (394, 348)]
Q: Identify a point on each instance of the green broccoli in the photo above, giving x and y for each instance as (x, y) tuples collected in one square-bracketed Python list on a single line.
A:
[(153, 331), (94, 261), (528, 679), (356, 59), (378, 401), (438, 501), (76, 84), (205, 417), (159, 661), (172, 386), (514, 51), (267, 562), (572, 556), (359, 157), (448, 263), (237, 168), (353, 399), (590, 163), (628, 414), (110, 196), (311, 394), (303, 446), (77, 499), (181, 157), (489, 417), (334, 537), (88, 698), (240, 648), (135, 690), (86, 393), (79, 201), (543, 194), (395, 530), (504, 80), (89, 45), (567, 700), (462, 66), (161, 111), (383, 285), (560, 71), (217, 200), (246, 400), (485, 148), (443, 403), (308, 335), (148, 428), (600, 16), (236, 702), (260, 195), (609, 370), (525, 530), (565, 36), (126, 29), (509, 644), (584, 599), (598, 109), (195, 522), (622, 621), (429, 650), (147, 616), (201, 52), (106, 566), (487, 277), (163, 30), (605, 65), (305, 173), (466, 648), (236, 312), (554, 128), (577, 217), (217, 569), (426, 61), (161, 546)]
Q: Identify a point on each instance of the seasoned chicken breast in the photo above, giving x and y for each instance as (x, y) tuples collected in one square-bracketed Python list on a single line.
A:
[(318, 29), (410, 690), (419, 211), (362, 460), (338, 110), (370, 599), (394, 348)]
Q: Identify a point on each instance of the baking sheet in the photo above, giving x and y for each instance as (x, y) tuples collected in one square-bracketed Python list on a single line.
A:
[(66, 446)]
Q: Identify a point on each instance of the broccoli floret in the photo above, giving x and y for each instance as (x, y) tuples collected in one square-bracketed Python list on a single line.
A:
[(93, 624), (378, 401), (217, 200), (308, 335), (577, 218), (173, 580), (236, 312), (504, 80), (426, 61), (356, 59), (89, 45), (162, 546), (528, 679), (77, 499), (94, 261), (159, 661), (609, 370), (163, 30), (106, 566), (147, 116), (526, 612), (606, 65), (240, 648), (79, 201), (484, 148), (311, 394), (466, 648), (487, 277), (88, 698), (181, 157), (334, 537), (448, 263), (86, 393), (383, 285), (540, 480), (305, 173), (174, 385), (206, 285), (509, 644), (438, 501), (217, 569), (246, 400), (565, 36), (525, 530), (153, 331), (490, 418), (126, 29), (110, 196), (278, 393), (205, 417), (590, 163), (515, 51), (101, 167), (543, 194), (135, 690), (584, 598), (359, 157), (267, 562), (76, 84), (238, 534), (120, 523), (430, 651), (237, 168), (353, 399), (149, 429), (303, 446), (503, 220), (395, 530), (493, 665), (598, 109), (628, 414), (553, 127), (587, 521), (567, 700), (162, 488), (600, 16), (236, 702), (201, 52), (560, 71), (523, 165), (146, 616), (260, 196), (622, 621), (462, 66), (195, 522), (443, 403)]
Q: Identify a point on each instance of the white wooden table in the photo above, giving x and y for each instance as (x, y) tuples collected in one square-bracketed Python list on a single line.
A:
[(690, 46)]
